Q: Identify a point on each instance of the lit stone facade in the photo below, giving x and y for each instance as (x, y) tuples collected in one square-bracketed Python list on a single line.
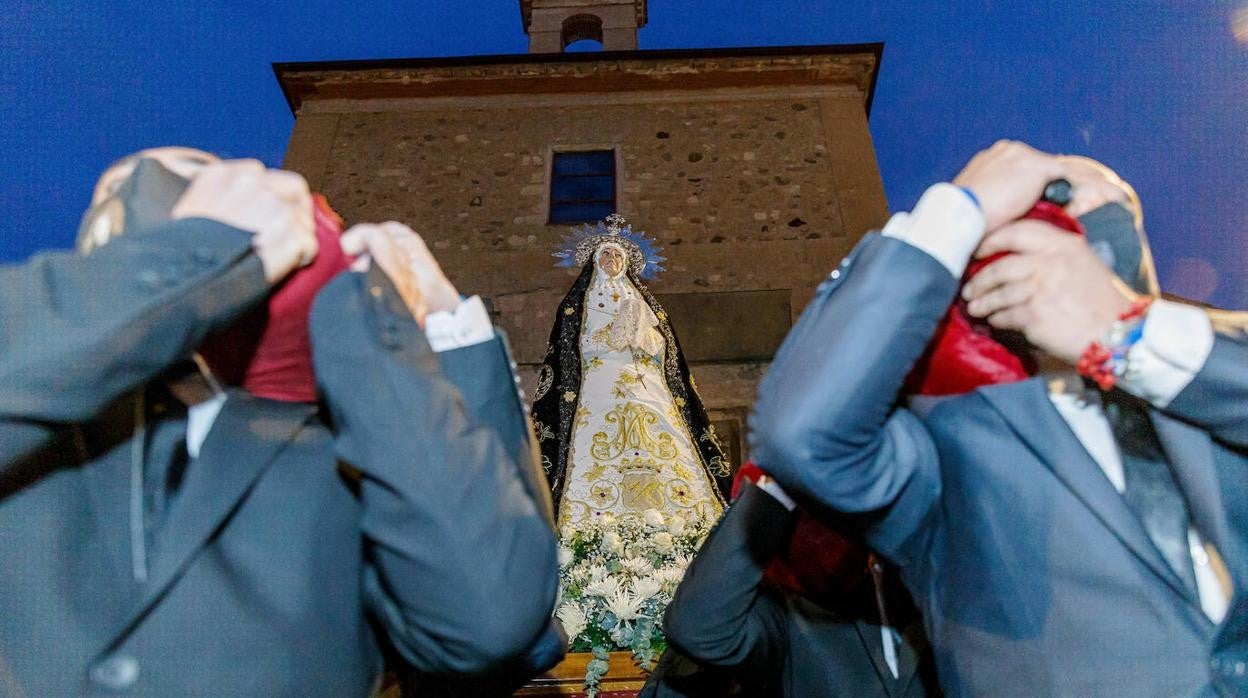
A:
[(754, 168)]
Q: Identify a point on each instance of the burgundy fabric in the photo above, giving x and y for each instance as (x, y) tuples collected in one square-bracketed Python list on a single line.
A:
[(269, 352), (819, 563), (965, 352)]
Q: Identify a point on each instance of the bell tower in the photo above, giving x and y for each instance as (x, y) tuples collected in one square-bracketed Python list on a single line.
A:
[(554, 24)]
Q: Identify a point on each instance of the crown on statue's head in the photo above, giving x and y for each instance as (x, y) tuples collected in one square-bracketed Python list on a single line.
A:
[(615, 223), (639, 465), (579, 247)]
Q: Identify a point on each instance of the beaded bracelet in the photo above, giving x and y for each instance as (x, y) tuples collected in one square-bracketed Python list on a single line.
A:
[(1106, 363)]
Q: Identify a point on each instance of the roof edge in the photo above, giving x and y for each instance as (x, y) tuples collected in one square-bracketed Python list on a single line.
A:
[(284, 70)]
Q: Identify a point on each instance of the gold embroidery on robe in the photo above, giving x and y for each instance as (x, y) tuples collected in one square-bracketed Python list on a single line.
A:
[(642, 490), (544, 380), (594, 472), (680, 494), (603, 494), (542, 431), (633, 426)]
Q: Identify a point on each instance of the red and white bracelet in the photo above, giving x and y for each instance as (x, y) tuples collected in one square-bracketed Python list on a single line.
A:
[(1106, 362)]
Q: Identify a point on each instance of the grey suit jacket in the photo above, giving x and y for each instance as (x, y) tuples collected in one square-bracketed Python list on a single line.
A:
[(1033, 576), (305, 544)]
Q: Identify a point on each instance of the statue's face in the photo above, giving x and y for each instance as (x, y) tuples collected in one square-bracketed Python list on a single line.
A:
[(611, 260)]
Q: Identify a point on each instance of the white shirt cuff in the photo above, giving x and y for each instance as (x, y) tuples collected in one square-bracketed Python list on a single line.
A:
[(777, 492), (945, 224), (1176, 343), (466, 325)]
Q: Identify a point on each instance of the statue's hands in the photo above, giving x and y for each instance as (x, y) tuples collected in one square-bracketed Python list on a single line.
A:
[(1008, 179), (407, 261), (1053, 289), (274, 205)]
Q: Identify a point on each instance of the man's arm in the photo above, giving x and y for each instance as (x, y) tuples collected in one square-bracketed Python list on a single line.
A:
[(497, 403), (826, 425), (1062, 297), (1194, 365), (718, 615), (78, 332), (462, 569)]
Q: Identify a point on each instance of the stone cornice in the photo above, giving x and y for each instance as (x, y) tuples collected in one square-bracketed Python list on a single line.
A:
[(846, 65)]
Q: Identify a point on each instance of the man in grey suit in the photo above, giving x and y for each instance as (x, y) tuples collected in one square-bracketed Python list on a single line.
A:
[(162, 534), (848, 634), (1059, 539)]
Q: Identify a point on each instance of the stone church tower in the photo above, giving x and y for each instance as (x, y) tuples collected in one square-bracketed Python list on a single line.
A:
[(553, 24), (753, 167)]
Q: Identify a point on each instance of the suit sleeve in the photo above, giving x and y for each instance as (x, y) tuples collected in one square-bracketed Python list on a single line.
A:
[(499, 404), (462, 571), (827, 426), (1216, 399), (719, 615), (78, 332)]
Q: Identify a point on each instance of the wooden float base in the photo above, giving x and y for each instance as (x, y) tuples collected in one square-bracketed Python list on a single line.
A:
[(568, 677)]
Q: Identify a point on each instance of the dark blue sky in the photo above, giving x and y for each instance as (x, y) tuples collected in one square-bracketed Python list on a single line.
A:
[(1158, 89)]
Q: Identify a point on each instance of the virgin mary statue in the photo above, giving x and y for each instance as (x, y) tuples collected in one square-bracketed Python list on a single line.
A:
[(621, 427)]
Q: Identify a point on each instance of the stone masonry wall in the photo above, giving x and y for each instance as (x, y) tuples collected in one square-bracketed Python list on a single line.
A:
[(744, 195)]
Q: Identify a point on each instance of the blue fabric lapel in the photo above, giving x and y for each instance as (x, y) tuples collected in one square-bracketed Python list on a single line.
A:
[(1190, 451), (1026, 407), (112, 584)]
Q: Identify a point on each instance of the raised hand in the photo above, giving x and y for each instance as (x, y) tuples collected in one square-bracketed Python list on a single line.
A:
[(407, 261), (1053, 289), (274, 205), (1007, 179)]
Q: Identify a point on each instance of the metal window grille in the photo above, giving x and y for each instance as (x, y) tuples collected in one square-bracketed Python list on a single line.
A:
[(582, 186)]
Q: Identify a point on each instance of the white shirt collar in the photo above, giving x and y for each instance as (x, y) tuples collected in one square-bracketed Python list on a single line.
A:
[(199, 420)]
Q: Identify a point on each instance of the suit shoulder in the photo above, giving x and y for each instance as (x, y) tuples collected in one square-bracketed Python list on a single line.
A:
[(945, 412), (340, 289), (339, 298)]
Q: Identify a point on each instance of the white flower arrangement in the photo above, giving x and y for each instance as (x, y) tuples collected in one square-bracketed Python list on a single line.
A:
[(616, 581)]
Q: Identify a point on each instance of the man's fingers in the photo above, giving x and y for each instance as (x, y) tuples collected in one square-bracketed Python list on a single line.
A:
[(291, 188), (396, 228), (1094, 185), (1021, 237), (287, 183), (352, 244), (405, 259), (358, 239), (1013, 318), (361, 263), (1000, 299), (404, 236), (217, 179), (1012, 269), (229, 170)]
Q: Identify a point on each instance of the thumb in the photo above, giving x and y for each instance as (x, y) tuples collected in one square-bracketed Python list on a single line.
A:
[(353, 242), (361, 263)]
